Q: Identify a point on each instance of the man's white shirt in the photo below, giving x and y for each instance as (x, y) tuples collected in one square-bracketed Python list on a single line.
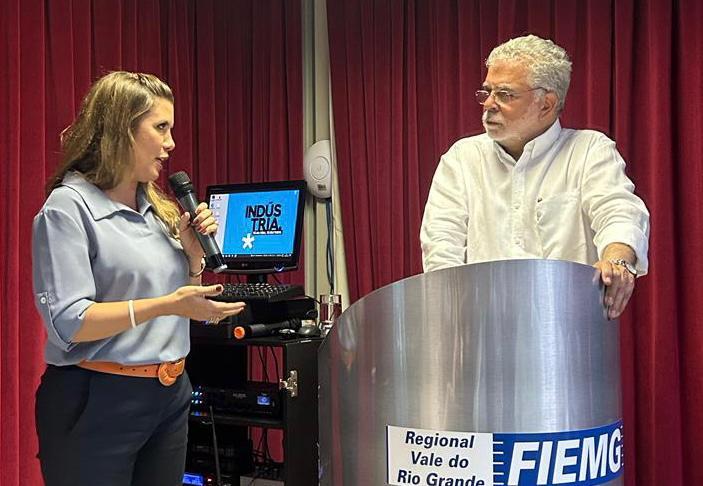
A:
[(566, 198)]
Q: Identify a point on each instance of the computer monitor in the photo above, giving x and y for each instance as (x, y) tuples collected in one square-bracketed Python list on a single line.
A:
[(260, 225)]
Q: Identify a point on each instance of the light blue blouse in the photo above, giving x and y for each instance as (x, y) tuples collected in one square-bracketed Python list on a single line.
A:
[(87, 248)]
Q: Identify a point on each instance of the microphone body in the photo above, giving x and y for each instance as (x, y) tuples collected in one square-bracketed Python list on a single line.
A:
[(255, 330), (183, 189)]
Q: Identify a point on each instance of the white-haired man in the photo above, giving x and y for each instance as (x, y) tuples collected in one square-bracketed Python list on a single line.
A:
[(528, 188)]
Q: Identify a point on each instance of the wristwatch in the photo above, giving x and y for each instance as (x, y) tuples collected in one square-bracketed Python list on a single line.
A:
[(624, 263)]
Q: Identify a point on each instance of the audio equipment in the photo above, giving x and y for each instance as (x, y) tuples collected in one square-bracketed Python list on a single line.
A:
[(255, 399)]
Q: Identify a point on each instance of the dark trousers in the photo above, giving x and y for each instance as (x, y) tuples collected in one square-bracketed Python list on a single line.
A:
[(110, 430)]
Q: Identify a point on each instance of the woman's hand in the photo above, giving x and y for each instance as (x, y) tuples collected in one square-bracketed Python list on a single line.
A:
[(190, 301), (204, 223)]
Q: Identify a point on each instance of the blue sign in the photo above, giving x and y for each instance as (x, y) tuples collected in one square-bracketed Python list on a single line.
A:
[(580, 458)]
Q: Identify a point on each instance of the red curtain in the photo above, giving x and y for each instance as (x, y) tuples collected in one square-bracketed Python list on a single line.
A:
[(236, 70), (403, 76)]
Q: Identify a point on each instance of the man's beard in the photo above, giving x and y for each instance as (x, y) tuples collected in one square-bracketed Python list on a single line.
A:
[(485, 119)]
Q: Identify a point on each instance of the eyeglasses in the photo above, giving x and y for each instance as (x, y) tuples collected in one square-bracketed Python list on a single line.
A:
[(502, 96)]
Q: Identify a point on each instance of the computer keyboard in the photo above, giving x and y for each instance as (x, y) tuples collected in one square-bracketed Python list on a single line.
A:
[(259, 292)]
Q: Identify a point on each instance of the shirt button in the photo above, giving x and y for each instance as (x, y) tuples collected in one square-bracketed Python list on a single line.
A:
[(42, 300)]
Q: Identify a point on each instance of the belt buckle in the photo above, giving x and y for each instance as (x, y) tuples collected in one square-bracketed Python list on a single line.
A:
[(169, 372)]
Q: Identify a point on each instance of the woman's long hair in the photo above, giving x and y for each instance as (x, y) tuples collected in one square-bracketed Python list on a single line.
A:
[(98, 143)]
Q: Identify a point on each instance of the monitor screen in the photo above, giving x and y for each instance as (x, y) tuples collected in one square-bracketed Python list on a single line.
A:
[(260, 224)]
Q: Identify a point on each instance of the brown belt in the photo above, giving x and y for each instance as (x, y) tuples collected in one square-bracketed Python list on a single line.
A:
[(165, 372)]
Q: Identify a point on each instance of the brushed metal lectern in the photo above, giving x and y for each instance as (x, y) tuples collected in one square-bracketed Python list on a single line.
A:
[(519, 346)]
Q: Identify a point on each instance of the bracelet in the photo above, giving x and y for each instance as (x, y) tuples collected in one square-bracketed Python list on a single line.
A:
[(198, 273), (132, 320)]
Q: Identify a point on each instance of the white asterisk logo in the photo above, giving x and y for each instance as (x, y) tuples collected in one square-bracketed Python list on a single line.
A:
[(248, 241)]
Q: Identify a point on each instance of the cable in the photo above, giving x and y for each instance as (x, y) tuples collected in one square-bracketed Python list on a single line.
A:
[(254, 477), (330, 244), (317, 301), (269, 459), (264, 363), (275, 362), (218, 475), (252, 359)]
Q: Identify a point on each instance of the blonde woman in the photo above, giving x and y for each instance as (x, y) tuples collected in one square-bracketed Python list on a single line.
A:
[(116, 272)]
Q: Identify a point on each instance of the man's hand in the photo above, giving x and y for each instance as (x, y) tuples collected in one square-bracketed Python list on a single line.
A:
[(619, 282)]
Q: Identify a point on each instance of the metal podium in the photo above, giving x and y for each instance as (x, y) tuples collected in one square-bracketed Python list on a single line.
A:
[(517, 355)]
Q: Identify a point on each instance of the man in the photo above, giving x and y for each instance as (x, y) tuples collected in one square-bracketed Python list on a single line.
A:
[(527, 188)]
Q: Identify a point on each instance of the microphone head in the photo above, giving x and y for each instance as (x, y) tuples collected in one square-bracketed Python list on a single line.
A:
[(180, 184)]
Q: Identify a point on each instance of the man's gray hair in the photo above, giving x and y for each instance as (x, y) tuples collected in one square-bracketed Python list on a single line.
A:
[(549, 64)]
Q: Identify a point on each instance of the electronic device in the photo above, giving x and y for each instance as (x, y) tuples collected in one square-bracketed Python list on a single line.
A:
[(259, 292), (255, 399), (317, 166), (194, 479), (257, 312), (210, 462), (202, 466), (185, 193), (260, 225), (259, 330)]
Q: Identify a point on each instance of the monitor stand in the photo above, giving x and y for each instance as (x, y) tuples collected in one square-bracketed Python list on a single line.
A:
[(256, 278)]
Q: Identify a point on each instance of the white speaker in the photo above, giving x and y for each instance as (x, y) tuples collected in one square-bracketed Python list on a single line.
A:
[(317, 165)]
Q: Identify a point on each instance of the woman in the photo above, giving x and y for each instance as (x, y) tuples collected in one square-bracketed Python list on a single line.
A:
[(116, 273)]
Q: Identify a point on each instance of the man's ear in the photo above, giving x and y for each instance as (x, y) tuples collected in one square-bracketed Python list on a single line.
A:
[(549, 104)]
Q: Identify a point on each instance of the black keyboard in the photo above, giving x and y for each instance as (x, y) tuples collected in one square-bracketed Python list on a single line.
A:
[(259, 292)]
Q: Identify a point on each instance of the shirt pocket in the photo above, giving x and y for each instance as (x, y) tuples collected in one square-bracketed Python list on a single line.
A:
[(559, 226)]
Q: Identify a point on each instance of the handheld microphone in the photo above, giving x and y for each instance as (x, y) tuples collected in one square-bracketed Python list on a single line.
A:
[(183, 189), (254, 330)]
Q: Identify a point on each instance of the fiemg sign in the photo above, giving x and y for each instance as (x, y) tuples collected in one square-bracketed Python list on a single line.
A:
[(585, 457)]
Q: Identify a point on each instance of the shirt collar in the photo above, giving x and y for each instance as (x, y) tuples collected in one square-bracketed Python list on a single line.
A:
[(99, 205), (539, 145)]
